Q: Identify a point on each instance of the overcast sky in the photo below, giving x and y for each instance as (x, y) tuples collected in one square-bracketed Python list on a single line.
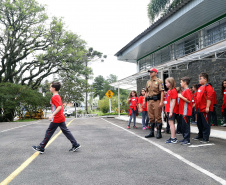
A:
[(105, 25)]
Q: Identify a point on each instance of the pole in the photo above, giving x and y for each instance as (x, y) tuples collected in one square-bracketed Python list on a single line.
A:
[(110, 104), (118, 101), (75, 111)]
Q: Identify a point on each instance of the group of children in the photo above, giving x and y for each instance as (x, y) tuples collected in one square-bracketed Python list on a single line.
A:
[(182, 104)]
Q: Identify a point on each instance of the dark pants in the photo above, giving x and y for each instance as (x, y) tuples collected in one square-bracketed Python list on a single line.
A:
[(185, 120), (145, 118), (193, 114), (224, 115), (213, 116), (203, 124), (52, 128), (134, 115), (179, 123)]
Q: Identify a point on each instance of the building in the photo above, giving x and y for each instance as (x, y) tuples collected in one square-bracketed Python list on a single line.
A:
[(184, 42)]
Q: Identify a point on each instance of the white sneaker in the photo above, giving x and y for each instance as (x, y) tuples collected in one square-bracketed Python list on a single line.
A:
[(224, 125)]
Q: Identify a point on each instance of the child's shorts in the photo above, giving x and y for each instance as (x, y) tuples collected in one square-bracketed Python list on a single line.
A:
[(173, 116)]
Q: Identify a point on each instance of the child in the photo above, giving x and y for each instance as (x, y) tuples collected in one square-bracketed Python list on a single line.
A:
[(213, 114), (165, 114), (133, 112), (178, 117), (185, 109), (171, 107), (57, 120), (204, 98), (223, 92), (194, 113), (143, 109)]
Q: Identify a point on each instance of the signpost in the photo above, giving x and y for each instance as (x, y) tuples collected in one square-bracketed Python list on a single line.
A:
[(109, 94)]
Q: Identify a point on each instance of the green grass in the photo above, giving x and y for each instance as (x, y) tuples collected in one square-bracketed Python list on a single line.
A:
[(25, 120)]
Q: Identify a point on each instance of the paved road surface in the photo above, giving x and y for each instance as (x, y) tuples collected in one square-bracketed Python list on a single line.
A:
[(110, 155)]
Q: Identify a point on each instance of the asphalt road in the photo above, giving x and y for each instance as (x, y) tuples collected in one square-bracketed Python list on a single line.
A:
[(110, 155)]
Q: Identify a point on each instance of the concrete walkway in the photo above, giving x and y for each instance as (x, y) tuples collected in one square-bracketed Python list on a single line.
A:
[(216, 131)]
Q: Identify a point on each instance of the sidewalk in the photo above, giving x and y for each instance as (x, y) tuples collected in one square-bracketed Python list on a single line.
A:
[(216, 131)]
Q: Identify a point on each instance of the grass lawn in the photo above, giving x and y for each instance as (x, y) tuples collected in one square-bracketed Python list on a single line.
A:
[(25, 120)]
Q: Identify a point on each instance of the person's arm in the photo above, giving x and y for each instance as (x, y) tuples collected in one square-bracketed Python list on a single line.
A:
[(208, 103), (172, 107), (54, 113), (183, 98), (161, 100)]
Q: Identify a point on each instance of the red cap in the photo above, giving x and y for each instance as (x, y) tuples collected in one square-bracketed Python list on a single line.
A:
[(152, 69)]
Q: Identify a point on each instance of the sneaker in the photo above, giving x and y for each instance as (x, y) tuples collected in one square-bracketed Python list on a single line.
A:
[(169, 140), (204, 141), (174, 140), (144, 128), (194, 123), (181, 141), (128, 127), (134, 127), (197, 138), (178, 133), (186, 143), (224, 125), (147, 127), (38, 149), (75, 148)]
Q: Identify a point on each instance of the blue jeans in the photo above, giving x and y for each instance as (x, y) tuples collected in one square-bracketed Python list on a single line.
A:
[(134, 115), (145, 118)]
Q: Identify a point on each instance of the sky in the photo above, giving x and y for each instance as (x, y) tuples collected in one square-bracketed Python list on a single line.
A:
[(105, 25)]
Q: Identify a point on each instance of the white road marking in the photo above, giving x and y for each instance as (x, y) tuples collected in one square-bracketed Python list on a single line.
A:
[(18, 127), (206, 172), (196, 146)]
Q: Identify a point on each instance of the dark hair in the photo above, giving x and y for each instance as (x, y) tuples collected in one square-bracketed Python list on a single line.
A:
[(56, 85), (130, 94), (179, 89), (195, 86), (141, 91), (186, 79), (222, 87), (204, 75)]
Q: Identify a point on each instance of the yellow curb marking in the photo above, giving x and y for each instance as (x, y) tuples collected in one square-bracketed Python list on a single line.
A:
[(28, 161)]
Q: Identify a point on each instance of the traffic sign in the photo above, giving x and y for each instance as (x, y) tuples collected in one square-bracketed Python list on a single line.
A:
[(109, 94)]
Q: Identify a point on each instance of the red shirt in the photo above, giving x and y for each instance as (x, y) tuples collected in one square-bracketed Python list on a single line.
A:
[(141, 101), (171, 94), (56, 102), (204, 93), (224, 100), (184, 107)]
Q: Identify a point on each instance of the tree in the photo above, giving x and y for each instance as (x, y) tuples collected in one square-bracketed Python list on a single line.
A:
[(156, 7), (98, 86), (31, 49)]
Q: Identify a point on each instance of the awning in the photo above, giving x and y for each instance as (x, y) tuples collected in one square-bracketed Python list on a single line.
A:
[(186, 19)]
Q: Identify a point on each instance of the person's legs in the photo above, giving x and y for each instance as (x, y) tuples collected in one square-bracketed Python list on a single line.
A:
[(225, 116), (186, 128), (147, 119), (68, 134), (214, 116), (199, 124), (134, 114), (143, 114), (206, 126), (130, 119), (49, 132)]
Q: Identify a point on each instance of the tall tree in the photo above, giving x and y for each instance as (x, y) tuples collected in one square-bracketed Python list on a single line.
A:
[(158, 7)]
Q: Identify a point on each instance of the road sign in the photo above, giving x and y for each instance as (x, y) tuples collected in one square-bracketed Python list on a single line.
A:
[(109, 94)]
